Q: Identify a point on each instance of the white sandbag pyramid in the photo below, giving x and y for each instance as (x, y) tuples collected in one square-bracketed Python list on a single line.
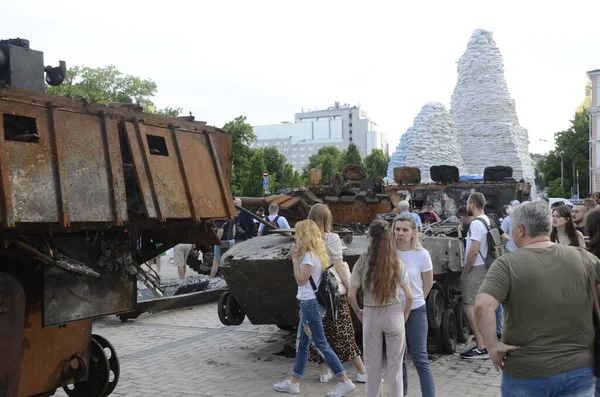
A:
[(488, 129), (430, 141)]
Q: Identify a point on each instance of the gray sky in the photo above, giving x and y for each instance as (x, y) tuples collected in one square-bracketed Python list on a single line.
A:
[(269, 59)]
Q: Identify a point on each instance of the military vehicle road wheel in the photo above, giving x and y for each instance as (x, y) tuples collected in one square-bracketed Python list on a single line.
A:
[(233, 311), (462, 325), (446, 337), (113, 363), (221, 308), (98, 375), (347, 238), (435, 308)]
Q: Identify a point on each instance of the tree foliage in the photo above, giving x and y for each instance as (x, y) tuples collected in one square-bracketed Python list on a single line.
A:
[(169, 111), (376, 164), (573, 145), (350, 156), (103, 85), (327, 159)]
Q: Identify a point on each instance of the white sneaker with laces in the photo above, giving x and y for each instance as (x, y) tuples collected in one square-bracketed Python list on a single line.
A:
[(326, 377), (361, 378), (342, 388), (287, 387)]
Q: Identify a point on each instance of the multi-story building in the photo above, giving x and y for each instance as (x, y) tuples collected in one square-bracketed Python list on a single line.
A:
[(338, 125), (594, 115)]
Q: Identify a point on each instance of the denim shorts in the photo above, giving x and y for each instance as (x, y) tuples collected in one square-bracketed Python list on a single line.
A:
[(218, 250)]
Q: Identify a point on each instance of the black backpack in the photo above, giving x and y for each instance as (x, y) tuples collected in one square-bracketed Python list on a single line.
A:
[(327, 292), (494, 242), (267, 230)]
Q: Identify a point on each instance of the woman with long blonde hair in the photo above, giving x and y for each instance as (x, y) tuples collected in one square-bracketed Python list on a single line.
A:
[(420, 274), (340, 333), (381, 276), (309, 258)]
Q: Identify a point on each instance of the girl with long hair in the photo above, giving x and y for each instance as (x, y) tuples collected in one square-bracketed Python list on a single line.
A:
[(309, 258), (381, 276), (340, 333), (563, 228), (420, 273)]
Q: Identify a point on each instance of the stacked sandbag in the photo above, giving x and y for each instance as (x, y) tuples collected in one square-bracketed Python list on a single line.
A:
[(430, 141), (488, 129)]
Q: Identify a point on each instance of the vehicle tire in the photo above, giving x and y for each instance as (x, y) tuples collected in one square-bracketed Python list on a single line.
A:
[(234, 312), (221, 308), (348, 239), (446, 337), (462, 325), (435, 308)]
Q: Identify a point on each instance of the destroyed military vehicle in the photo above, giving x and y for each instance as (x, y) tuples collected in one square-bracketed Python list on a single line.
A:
[(261, 280)]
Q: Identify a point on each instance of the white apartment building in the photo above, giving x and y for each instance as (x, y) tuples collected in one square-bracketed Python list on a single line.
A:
[(594, 116), (338, 125)]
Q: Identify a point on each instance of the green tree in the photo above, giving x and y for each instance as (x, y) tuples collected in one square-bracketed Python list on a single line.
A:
[(242, 136), (169, 111), (350, 156), (376, 163), (326, 159), (250, 177), (572, 145), (103, 85)]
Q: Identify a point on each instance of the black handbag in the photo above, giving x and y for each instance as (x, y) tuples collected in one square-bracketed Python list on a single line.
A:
[(589, 271), (328, 294)]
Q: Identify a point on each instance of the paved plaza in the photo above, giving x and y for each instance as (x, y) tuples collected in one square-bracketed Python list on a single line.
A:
[(188, 352)]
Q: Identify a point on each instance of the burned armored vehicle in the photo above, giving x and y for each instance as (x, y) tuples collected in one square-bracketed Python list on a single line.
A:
[(87, 193)]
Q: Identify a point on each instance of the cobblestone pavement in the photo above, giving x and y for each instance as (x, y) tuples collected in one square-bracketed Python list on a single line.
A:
[(187, 352)]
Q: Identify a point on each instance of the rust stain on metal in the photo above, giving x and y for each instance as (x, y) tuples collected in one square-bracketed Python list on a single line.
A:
[(60, 183), (49, 352), (12, 311)]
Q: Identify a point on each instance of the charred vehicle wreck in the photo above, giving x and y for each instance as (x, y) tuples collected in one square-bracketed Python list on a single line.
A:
[(87, 192)]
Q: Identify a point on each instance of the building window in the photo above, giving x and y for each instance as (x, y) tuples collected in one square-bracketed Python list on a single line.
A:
[(351, 124), (294, 156), (302, 149), (350, 139), (294, 149), (302, 155)]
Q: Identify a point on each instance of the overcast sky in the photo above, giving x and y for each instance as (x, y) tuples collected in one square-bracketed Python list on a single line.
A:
[(269, 59)]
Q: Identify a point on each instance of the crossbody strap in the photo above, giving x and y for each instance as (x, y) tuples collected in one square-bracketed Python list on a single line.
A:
[(589, 273), (312, 281), (486, 234)]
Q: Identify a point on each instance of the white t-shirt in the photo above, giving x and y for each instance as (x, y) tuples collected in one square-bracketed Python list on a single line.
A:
[(417, 262), (478, 232), (306, 292)]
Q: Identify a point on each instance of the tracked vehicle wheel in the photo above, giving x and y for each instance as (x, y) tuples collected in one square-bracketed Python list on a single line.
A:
[(446, 337), (113, 363), (435, 308), (98, 375)]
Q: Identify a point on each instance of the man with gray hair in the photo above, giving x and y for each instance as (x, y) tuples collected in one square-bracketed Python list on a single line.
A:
[(404, 208), (548, 334)]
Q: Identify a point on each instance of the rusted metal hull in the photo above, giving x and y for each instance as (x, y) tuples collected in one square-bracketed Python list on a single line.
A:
[(12, 312), (76, 172), (448, 198)]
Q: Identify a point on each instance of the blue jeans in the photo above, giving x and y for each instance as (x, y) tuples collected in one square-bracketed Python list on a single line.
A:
[(578, 383), (416, 337), (499, 319), (310, 331), (597, 393)]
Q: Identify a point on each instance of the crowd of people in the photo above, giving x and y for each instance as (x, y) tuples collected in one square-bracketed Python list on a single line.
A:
[(530, 310)]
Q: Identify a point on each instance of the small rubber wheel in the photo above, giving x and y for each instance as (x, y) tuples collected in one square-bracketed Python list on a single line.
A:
[(221, 308), (234, 312), (462, 324)]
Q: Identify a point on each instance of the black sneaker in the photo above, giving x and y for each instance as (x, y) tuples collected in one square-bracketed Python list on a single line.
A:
[(475, 354)]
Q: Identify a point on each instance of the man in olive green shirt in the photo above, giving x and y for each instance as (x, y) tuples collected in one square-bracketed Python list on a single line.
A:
[(548, 330)]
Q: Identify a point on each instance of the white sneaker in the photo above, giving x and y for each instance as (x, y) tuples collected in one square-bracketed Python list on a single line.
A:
[(326, 377), (361, 378), (342, 388), (287, 387)]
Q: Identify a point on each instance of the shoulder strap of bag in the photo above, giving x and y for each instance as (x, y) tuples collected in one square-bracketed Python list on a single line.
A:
[(486, 235), (312, 281), (589, 271)]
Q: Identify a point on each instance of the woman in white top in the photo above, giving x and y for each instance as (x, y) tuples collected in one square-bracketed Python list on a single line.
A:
[(340, 333), (381, 276), (308, 255), (420, 272)]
